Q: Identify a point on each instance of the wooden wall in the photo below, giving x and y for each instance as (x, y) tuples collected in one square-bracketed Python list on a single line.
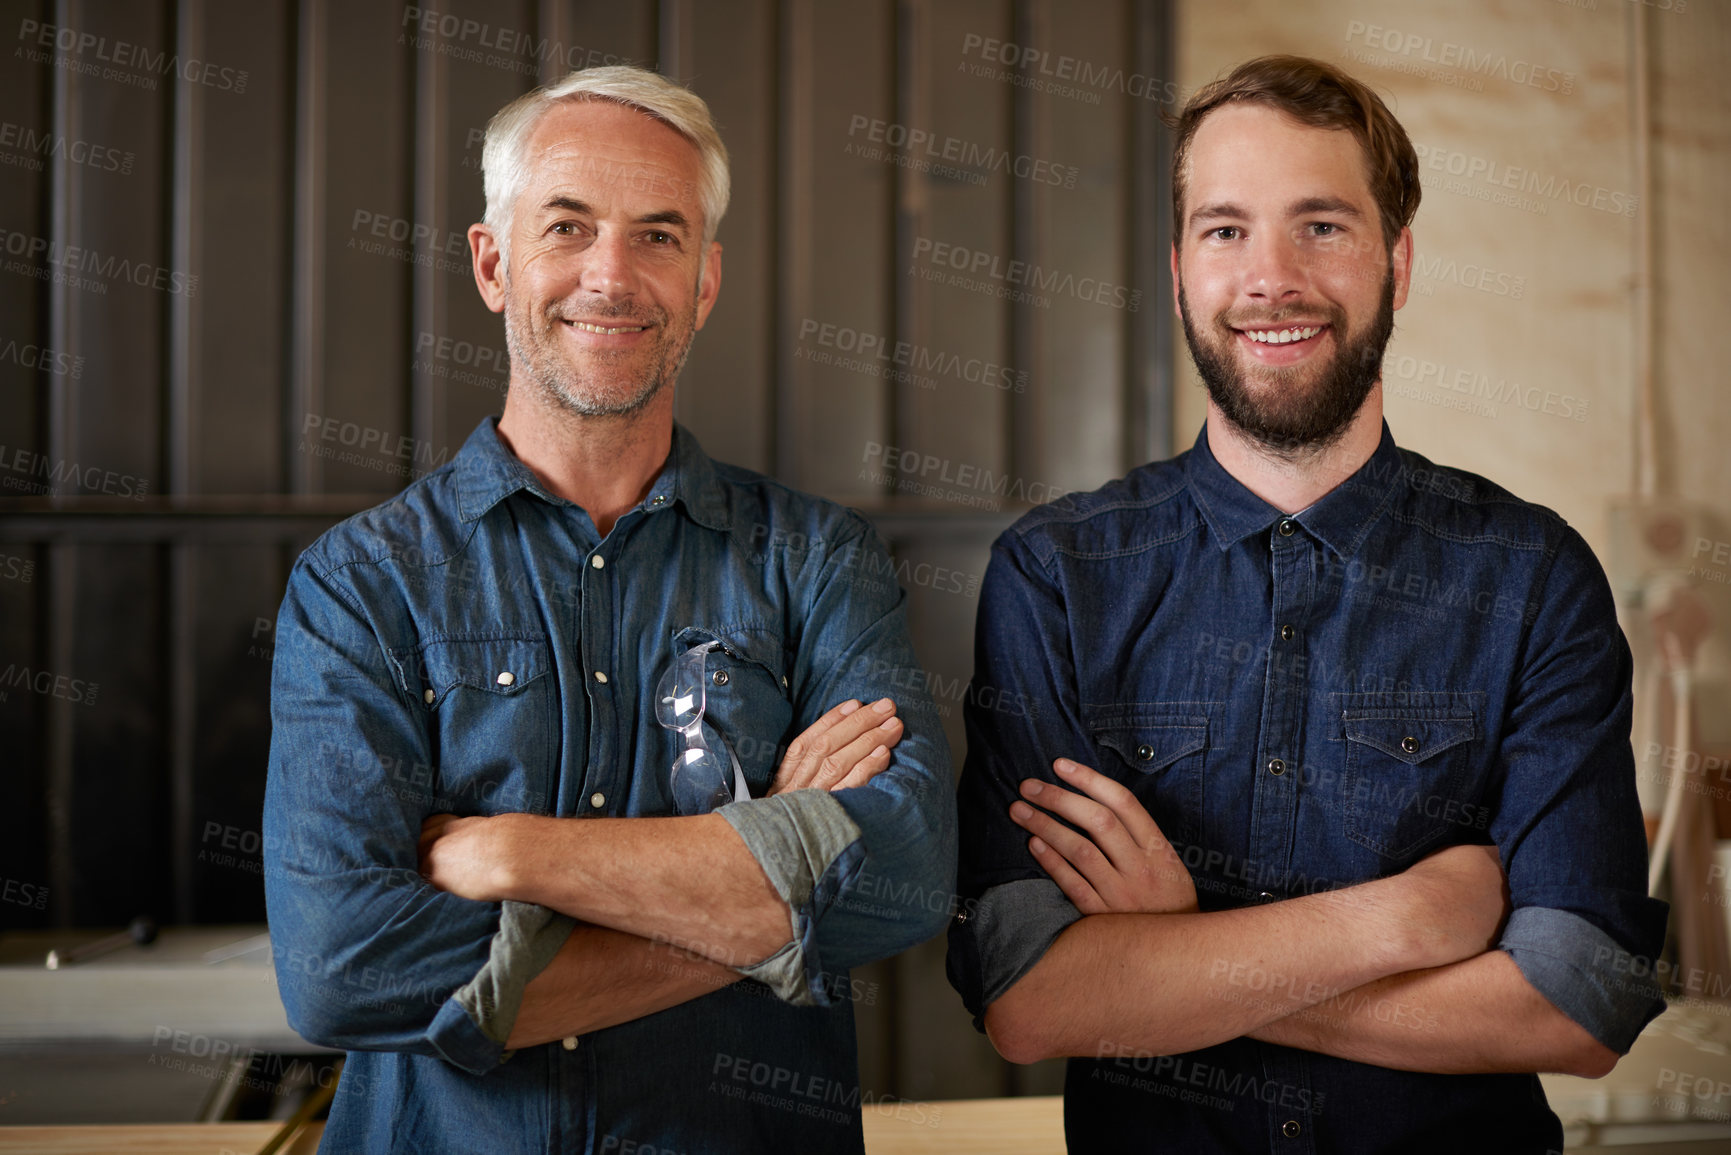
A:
[(230, 229)]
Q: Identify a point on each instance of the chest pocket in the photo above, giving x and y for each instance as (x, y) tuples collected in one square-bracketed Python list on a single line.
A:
[(1158, 751), (1408, 777), (491, 718), (746, 702)]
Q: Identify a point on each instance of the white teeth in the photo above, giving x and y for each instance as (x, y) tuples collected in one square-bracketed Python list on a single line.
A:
[(588, 328), (1282, 336)]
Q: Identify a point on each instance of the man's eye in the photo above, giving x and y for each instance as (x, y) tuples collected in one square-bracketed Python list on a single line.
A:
[(661, 238), (1225, 233), (565, 228), (1324, 229)]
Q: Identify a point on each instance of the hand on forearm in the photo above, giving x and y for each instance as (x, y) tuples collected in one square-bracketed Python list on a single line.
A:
[(846, 747), (603, 977), (686, 879), (1173, 981), (1476, 1016)]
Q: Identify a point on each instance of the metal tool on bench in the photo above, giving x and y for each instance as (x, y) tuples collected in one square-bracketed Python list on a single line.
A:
[(141, 931)]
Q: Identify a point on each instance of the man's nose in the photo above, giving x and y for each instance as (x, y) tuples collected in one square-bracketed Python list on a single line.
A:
[(1278, 271), (610, 266)]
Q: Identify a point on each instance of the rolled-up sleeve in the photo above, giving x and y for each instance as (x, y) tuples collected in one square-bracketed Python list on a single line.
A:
[(369, 955), (1021, 713), (1583, 930), (870, 871)]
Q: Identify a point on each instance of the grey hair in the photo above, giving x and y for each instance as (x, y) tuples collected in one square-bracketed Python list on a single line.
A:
[(504, 170)]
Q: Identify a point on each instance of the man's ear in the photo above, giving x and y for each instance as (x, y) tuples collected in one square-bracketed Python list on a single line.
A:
[(1400, 266), (711, 283), (1176, 311), (489, 268)]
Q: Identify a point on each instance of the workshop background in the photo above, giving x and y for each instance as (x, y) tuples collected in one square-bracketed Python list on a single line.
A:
[(236, 306)]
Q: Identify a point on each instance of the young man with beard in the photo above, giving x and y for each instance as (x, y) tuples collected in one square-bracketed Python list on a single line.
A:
[(540, 855), (1304, 704)]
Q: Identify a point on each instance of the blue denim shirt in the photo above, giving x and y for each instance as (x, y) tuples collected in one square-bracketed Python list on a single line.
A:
[(473, 646), (1302, 703)]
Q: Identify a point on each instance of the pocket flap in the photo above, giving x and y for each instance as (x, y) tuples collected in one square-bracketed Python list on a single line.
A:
[(1153, 744), (1411, 740), (494, 665), (741, 644)]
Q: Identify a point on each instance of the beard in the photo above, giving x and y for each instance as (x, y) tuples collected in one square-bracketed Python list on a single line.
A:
[(1291, 409), (597, 383)]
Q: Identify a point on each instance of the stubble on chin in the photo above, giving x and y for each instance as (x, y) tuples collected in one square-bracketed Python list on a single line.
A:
[(594, 390), (1297, 411)]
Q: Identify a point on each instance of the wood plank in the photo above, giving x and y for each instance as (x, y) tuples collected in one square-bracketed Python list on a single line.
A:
[(966, 1127), (156, 1139)]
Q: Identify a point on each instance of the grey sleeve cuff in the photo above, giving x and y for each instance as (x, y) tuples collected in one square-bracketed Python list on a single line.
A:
[(1584, 973), (1002, 935), (528, 938), (796, 837)]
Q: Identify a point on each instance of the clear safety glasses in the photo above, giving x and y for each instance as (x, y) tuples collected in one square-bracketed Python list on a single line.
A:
[(700, 778)]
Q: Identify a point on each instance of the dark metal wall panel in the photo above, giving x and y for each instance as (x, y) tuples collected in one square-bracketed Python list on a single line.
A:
[(229, 632), (458, 345), (113, 790), (27, 357), (25, 888), (110, 239), (236, 205), (840, 64), (957, 163), (1082, 246), (370, 245), (727, 392)]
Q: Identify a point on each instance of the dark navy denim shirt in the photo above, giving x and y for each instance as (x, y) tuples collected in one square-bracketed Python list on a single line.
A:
[(473, 646), (1302, 703)]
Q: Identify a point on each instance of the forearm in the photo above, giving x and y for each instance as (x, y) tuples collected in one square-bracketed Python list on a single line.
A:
[(1472, 1017), (603, 977), (1165, 983), (671, 879)]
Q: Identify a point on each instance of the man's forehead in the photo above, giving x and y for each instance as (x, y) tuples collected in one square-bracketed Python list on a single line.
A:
[(1259, 144), (607, 144)]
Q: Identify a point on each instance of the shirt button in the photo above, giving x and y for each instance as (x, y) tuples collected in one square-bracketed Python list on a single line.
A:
[(428, 697), (1146, 753), (1410, 745), (1287, 525), (570, 1042), (1290, 1128), (1276, 766), (1266, 896), (505, 678), (598, 800), (1287, 633), (600, 677), (658, 499), (597, 561), (719, 677)]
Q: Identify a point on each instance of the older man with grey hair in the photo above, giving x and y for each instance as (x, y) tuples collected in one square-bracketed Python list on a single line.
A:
[(586, 784)]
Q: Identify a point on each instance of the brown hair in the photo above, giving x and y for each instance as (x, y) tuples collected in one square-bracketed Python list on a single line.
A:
[(1320, 95)]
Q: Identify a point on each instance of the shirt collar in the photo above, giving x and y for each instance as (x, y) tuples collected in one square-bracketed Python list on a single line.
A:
[(487, 473), (1340, 519)]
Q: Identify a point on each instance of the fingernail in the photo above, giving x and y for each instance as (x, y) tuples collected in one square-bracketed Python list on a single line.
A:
[(849, 707), (884, 750), (1037, 846), (892, 724), (1021, 811), (884, 706), (1032, 786), (1063, 767)]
